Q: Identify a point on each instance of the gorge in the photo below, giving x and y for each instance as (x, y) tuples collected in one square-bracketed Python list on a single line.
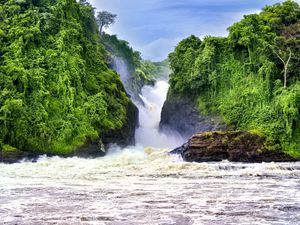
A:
[(146, 185), (91, 133)]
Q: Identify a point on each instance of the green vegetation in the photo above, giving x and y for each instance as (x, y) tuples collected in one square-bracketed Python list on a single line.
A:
[(251, 77), (104, 19), (8, 148), (143, 72), (55, 86)]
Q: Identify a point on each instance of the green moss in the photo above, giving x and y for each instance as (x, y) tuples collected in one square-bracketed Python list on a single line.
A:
[(8, 148), (225, 141), (257, 132), (220, 132), (237, 138), (208, 134)]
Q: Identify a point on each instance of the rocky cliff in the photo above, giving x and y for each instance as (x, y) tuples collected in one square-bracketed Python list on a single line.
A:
[(181, 114)]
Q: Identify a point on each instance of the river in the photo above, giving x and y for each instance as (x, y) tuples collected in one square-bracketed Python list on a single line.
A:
[(143, 184)]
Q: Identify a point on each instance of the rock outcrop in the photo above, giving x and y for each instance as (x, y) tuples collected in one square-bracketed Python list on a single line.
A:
[(90, 149), (15, 155), (233, 146), (181, 114)]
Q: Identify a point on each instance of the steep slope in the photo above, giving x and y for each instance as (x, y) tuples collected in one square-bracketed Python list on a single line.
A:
[(135, 72), (56, 89), (250, 79)]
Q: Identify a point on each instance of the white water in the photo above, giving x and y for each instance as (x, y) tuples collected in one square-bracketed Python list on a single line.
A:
[(152, 100), (121, 67), (148, 135), (148, 186), (138, 185)]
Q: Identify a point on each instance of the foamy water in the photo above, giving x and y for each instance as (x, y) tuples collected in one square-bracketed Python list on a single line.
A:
[(145, 185), (149, 116), (148, 186)]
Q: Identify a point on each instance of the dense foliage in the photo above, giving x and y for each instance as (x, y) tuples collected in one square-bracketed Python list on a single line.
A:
[(142, 72), (55, 86), (251, 77)]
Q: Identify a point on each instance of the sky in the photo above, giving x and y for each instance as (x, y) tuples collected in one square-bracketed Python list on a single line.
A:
[(154, 27)]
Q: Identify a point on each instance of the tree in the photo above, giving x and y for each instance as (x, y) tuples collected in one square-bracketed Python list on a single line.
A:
[(83, 2), (104, 19), (285, 58)]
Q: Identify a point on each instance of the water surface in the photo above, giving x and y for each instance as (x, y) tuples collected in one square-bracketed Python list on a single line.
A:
[(148, 187)]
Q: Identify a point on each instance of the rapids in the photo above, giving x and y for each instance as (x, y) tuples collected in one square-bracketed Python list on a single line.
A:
[(143, 184), (148, 186)]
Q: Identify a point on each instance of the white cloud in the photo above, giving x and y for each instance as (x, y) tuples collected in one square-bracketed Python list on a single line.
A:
[(154, 27)]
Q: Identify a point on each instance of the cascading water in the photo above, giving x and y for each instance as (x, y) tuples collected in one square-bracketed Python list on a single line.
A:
[(138, 185), (150, 105), (148, 134), (120, 66)]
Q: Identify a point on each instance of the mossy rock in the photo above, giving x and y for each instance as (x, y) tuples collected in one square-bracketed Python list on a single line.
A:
[(9, 154), (236, 146)]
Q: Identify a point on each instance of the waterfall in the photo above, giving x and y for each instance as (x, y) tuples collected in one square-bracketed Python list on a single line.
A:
[(145, 186), (121, 67), (148, 134), (152, 100)]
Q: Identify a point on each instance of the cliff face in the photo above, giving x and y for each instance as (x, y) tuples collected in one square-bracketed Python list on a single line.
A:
[(181, 114)]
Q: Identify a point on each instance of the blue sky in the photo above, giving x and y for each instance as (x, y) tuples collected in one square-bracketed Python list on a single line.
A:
[(154, 27)]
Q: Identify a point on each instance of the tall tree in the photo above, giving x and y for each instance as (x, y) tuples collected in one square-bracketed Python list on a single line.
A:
[(104, 19)]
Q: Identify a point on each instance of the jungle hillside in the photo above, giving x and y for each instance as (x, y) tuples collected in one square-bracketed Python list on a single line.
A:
[(56, 88), (250, 78)]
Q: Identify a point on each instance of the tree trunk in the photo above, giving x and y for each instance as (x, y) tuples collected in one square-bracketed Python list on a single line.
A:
[(285, 64), (286, 69), (101, 29)]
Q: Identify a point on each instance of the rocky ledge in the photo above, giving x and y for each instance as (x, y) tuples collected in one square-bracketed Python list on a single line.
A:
[(233, 146), (13, 155)]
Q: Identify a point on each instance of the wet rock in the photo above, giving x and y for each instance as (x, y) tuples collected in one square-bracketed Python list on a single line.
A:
[(181, 114), (126, 135), (90, 149), (14, 155), (233, 146), (180, 149)]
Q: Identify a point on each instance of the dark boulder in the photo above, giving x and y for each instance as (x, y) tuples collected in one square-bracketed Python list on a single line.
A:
[(233, 146), (14, 155), (90, 149)]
